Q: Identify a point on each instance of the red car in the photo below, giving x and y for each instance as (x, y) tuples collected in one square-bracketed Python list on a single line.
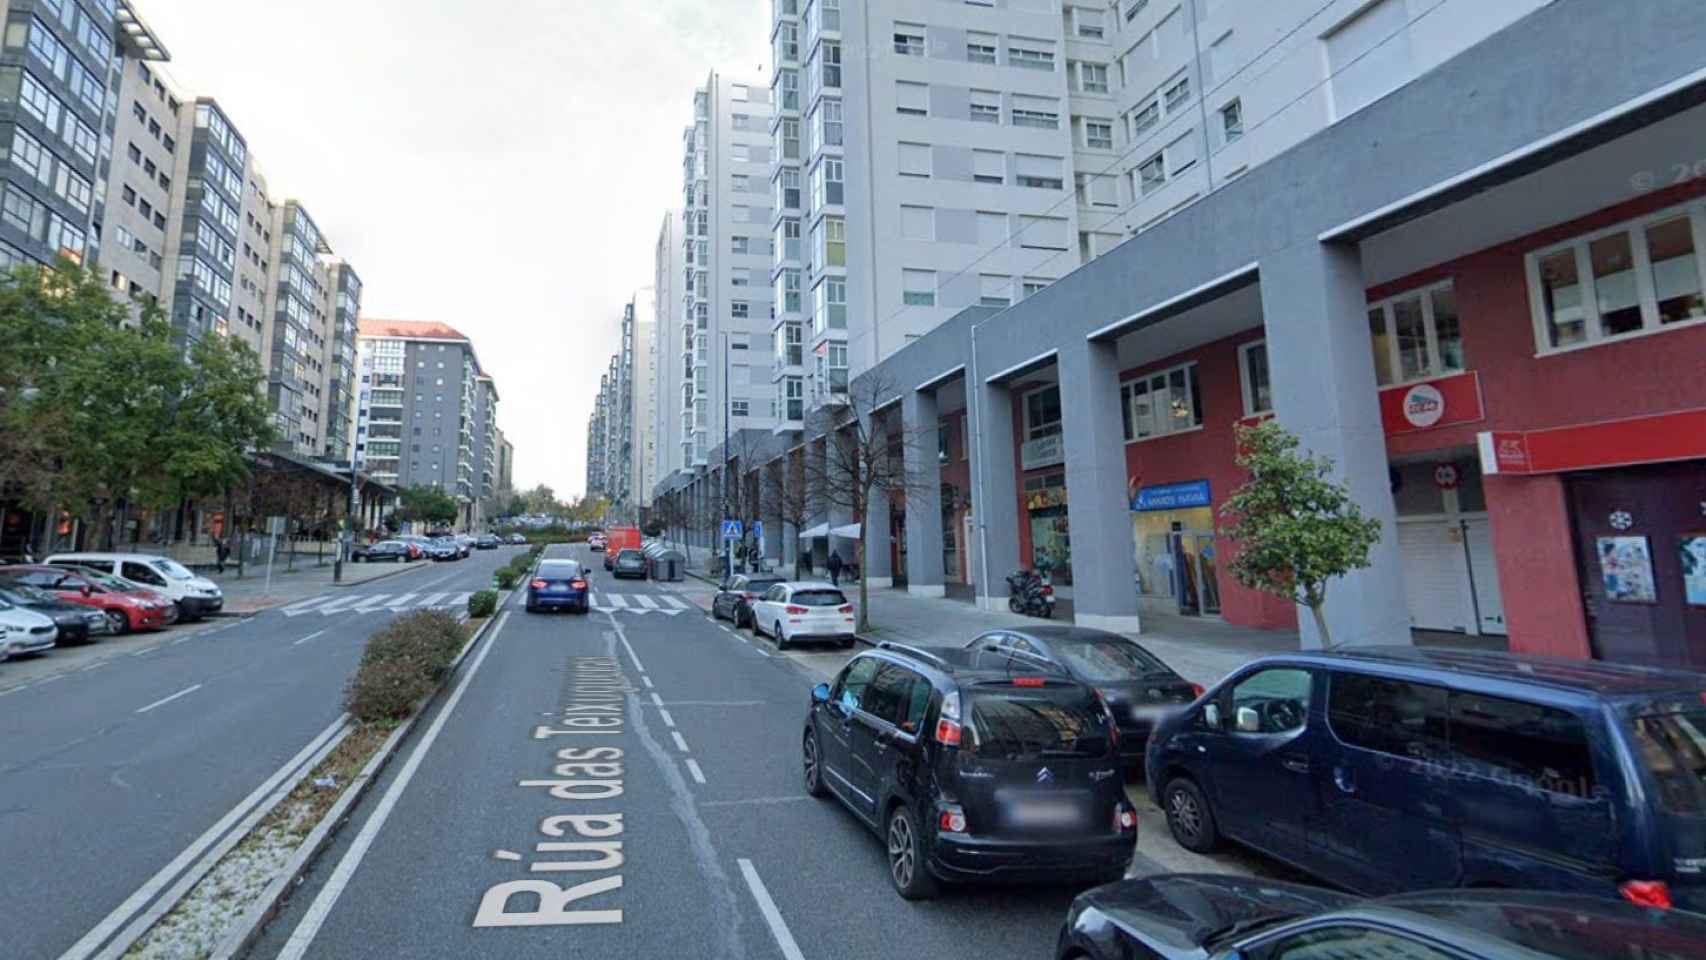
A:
[(128, 606)]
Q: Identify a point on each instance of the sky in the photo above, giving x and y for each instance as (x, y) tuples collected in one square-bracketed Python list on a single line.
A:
[(500, 167)]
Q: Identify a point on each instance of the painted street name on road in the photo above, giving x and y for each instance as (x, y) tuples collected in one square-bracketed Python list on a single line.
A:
[(584, 774)]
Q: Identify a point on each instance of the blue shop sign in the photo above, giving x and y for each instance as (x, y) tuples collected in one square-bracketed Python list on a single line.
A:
[(1173, 496)]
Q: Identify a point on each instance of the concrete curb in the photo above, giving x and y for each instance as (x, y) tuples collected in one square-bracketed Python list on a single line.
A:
[(255, 919)]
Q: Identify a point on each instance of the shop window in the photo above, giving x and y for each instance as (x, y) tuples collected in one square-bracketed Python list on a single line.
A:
[(1634, 278), (1042, 413), (1161, 403), (1416, 335), (1253, 372)]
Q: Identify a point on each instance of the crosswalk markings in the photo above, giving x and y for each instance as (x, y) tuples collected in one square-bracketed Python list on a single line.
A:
[(329, 605), (614, 600), (637, 603), (646, 602), (402, 601)]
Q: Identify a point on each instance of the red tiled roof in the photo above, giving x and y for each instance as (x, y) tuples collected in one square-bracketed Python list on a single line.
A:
[(408, 329)]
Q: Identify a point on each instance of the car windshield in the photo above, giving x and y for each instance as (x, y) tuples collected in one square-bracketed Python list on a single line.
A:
[(1109, 661), (20, 593), (175, 570), (1673, 746), (818, 598), (1037, 723)]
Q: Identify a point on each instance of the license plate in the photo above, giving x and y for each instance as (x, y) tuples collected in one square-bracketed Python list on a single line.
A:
[(1152, 711), (556, 588), (1044, 813)]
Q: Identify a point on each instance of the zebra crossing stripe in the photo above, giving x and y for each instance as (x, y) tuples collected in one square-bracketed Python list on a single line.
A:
[(337, 604), (371, 603), (402, 601), (672, 603), (615, 601), (429, 599), (645, 601), (460, 600), (305, 604)]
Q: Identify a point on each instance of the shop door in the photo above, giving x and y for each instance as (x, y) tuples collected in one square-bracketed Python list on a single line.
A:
[(1436, 582), (1196, 566), (1484, 574), (1634, 528)]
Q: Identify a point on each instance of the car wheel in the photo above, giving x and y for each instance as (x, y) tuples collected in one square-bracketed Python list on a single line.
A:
[(119, 623), (1189, 817), (911, 878), (781, 638), (813, 767)]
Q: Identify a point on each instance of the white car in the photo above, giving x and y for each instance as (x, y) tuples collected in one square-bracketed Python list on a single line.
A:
[(24, 631), (195, 596), (804, 610)]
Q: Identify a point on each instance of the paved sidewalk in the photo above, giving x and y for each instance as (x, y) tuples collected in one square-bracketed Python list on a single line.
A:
[(252, 594)]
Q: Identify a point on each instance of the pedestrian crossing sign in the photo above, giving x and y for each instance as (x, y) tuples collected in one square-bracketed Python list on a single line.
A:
[(731, 529)]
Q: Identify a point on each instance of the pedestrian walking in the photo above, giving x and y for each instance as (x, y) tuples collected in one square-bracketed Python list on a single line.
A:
[(835, 568), (220, 552)]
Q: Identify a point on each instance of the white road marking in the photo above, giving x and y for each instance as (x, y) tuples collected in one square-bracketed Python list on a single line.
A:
[(646, 680), (402, 601), (632, 655), (144, 650), (646, 601), (190, 637), (657, 700), (165, 700), (680, 742), (94, 666), (693, 768), (303, 936), (772, 916), (459, 600), (338, 604), (305, 604), (307, 638), (673, 603), (668, 720), (430, 599), (370, 603), (615, 601)]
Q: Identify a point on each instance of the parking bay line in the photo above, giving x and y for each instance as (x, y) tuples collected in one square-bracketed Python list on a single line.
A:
[(165, 700), (772, 916)]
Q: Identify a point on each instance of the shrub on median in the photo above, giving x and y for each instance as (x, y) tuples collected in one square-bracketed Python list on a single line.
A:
[(403, 662), (483, 604)]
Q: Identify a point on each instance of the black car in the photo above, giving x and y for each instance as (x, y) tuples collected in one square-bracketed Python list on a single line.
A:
[(1137, 687), (443, 548), (392, 551), (969, 772), (734, 598), (486, 541), (629, 563), (77, 623), (1225, 917)]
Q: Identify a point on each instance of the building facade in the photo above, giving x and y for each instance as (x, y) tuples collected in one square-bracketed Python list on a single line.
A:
[(667, 357), (639, 318)]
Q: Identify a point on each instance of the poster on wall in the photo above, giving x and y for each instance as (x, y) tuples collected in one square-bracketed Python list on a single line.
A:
[(1626, 568), (1694, 569)]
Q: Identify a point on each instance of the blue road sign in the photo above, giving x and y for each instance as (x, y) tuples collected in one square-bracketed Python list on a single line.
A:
[(758, 531), (731, 529)]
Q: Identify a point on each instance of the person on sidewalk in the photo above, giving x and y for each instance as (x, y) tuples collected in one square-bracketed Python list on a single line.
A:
[(835, 568), (220, 552)]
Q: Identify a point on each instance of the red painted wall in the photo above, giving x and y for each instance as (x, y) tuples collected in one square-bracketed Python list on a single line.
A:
[(1537, 569)]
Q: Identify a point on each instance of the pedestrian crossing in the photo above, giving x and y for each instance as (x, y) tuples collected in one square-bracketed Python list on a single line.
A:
[(333, 604), (639, 603)]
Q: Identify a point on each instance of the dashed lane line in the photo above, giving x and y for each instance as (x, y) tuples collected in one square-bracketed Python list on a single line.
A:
[(772, 916), (165, 700), (631, 654), (680, 742), (668, 720), (657, 700), (693, 768), (646, 680)]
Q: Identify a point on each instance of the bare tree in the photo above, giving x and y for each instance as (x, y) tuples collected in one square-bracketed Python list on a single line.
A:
[(782, 488), (864, 462)]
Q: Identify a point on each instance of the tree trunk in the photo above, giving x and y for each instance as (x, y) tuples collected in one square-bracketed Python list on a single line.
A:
[(1318, 607), (863, 622)]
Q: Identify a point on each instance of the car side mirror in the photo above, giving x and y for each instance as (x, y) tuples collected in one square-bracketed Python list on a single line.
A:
[(1249, 721), (820, 693), (1211, 716)]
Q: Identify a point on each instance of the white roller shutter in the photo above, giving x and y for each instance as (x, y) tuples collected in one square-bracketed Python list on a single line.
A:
[(1436, 585)]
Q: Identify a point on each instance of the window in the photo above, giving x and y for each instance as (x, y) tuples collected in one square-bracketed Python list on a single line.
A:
[(740, 244), (985, 106), (1152, 174), (912, 99), (1389, 716), (914, 159), (918, 223), (991, 228), (981, 52), (795, 393), (1368, 57), (909, 39), (1042, 413), (1031, 58), (988, 166), (740, 309), (1044, 233), (1253, 371), (918, 288), (1038, 171), (1133, 8), (1232, 121), (1416, 335), (1522, 743), (1176, 93), (1096, 190), (1145, 118), (1093, 77), (1182, 154), (1098, 135), (1088, 22), (1035, 118), (831, 53), (1271, 701), (738, 408), (1634, 278), (1158, 404), (788, 188), (1033, 285)]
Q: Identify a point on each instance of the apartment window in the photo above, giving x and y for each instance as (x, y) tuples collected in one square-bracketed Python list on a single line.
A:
[(788, 291), (1098, 135), (740, 309), (1416, 335), (788, 81), (909, 39), (1093, 77), (1161, 403), (795, 392), (740, 183), (1038, 171), (918, 223), (1181, 154), (918, 288), (1253, 372), (829, 301), (169, 143), (828, 114), (1088, 22), (912, 99), (1232, 121), (1177, 93), (828, 183), (738, 408), (1032, 286), (985, 106), (1152, 174), (788, 131), (740, 245), (831, 64), (788, 233), (134, 153), (835, 242), (788, 188), (1044, 233), (914, 159), (1031, 58), (1145, 118), (980, 52), (1631, 279), (994, 290), (988, 166)]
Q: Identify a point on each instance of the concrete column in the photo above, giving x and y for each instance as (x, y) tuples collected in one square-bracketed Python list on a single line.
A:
[(879, 561), (1104, 594), (995, 491), (817, 505), (774, 550), (919, 418), (1320, 361)]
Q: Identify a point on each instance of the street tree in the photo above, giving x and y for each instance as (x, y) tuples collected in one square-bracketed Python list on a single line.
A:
[(542, 501), (428, 505), (782, 488), (864, 462), (222, 422), (1296, 528)]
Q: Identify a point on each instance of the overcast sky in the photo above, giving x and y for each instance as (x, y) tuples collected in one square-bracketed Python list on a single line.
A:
[(500, 167)]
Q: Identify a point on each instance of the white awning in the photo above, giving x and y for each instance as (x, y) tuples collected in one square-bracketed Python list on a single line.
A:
[(814, 533), (847, 531)]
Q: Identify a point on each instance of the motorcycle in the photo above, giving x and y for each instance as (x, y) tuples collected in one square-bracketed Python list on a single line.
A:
[(1029, 595)]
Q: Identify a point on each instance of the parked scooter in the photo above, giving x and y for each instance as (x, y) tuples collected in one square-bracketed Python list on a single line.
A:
[(1029, 595)]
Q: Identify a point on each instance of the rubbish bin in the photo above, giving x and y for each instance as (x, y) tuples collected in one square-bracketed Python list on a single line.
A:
[(668, 565)]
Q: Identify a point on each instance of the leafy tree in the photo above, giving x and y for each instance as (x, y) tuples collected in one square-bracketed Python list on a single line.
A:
[(1296, 527), (541, 500), (221, 419), (782, 490), (428, 505)]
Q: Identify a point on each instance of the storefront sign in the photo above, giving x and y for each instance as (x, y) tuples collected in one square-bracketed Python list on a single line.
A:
[(1042, 452), (1435, 403), (1662, 438), (1172, 496)]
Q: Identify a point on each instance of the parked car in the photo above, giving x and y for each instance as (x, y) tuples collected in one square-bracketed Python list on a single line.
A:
[(971, 773), (486, 541), (442, 548), (796, 610), (736, 596), (385, 551), (630, 563), (465, 543), (195, 596), (559, 584), (1137, 687), (127, 606), (75, 622), (1195, 916), (516, 539), (1389, 769), (417, 545), (24, 632), (596, 542)]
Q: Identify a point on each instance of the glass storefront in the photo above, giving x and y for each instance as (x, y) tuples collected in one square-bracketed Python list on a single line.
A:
[(1051, 537), (1178, 562)]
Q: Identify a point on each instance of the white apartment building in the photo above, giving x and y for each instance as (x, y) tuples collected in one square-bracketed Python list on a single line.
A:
[(975, 152), (643, 423), (718, 337), (666, 348)]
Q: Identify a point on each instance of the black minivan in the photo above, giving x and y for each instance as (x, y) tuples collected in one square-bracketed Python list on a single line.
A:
[(971, 770), (1392, 769)]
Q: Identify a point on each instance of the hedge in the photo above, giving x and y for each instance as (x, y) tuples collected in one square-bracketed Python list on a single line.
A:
[(403, 662), (483, 604)]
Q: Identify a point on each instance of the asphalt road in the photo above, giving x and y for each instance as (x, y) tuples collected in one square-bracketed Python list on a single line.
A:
[(108, 772), (722, 855)]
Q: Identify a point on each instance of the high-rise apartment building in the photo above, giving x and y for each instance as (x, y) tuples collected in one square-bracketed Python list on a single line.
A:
[(343, 294), (718, 337), (640, 319), (506, 464), (667, 356), (136, 217)]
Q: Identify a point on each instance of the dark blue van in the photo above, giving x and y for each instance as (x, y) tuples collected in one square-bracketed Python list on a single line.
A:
[(1391, 769)]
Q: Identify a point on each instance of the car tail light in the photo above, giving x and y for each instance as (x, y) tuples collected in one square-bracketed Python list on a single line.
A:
[(1125, 818), (952, 820), (538, 584), (794, 611), (846, 608), (578, 584), (1197, 690), (1647, 893), (1028, 681), (948, 732)]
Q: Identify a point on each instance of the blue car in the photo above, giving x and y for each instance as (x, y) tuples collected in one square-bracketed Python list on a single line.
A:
[(1385, 770), (559, 585)]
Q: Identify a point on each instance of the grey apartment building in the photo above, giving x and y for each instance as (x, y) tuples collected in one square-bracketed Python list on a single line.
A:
[(425, 411)]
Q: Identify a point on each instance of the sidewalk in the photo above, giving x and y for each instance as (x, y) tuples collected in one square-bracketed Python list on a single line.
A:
[(251, 594)]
